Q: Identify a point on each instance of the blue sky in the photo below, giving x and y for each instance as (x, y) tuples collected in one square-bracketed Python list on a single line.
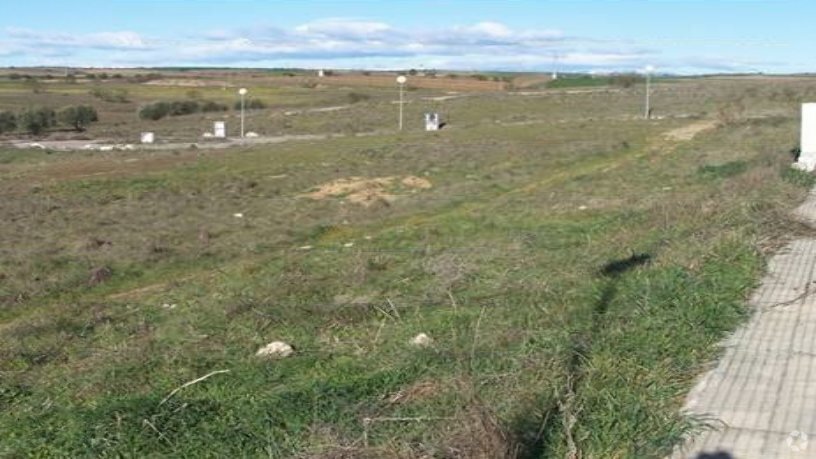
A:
[(691, 36)]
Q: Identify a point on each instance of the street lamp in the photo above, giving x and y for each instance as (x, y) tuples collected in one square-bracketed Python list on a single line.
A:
[(401, 81), (242, 92), (647, 111)]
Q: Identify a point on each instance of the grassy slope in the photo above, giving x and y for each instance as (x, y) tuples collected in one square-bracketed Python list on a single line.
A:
[(537, 348)]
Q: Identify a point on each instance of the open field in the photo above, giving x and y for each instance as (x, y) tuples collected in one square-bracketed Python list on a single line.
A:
[(574, 266)]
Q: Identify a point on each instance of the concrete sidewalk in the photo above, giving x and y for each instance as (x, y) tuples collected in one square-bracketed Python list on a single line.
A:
[(762, 395)]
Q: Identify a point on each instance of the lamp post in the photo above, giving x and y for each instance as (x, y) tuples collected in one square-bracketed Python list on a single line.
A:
[(647, 111), (242, 92), (401, 81)]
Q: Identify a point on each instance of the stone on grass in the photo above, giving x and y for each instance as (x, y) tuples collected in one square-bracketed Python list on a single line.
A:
[(421, 340), (275, 350)]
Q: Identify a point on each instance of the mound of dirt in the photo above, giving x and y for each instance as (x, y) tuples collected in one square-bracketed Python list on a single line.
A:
[(368, 191)]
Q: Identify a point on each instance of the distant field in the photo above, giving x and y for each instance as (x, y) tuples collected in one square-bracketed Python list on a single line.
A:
[(574, 266)]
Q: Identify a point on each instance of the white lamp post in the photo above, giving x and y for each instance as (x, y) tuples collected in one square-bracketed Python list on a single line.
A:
[(242, 92), (649, 69), (401, 81)]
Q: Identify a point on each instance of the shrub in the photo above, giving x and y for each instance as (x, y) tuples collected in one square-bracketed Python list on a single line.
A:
[(154, 111), (183, 107), (210, 106), (108, 95), (355, 97), (79, 117), (8, 121), (251, 104), (37, 120)]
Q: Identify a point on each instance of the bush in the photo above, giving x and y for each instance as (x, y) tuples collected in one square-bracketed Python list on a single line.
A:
[(210, 106), (8, 121), (251, 104), (37, 120), (108, 95), (78, 117), (183, 107), (355, 97), (154, 111)]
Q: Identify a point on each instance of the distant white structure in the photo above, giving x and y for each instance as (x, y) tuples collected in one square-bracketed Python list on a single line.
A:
[(807, 155), (148, 137), (321, 73), (432, 121), (220, 129)]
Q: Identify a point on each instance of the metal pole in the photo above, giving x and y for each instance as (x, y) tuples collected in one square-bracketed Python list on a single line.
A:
[(648, 90), (400, 111), (242, 116)]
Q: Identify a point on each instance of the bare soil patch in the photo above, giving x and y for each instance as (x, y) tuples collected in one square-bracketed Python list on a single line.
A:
[(686, 133), (368, 191)]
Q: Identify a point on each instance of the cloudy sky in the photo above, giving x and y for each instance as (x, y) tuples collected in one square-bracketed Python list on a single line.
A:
[(689, 36)]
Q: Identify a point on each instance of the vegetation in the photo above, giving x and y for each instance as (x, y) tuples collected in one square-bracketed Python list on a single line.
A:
[(37, 120), (8, 121), (250, 104), (158, 110), (583, 80), (154, 111), (78, 117), (572, 285), (118, 95)]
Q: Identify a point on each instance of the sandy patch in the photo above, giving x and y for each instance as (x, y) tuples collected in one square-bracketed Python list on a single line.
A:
[(688, 132), (367, 191)]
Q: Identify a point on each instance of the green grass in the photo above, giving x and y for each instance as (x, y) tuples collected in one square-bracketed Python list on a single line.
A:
[(564, 277)]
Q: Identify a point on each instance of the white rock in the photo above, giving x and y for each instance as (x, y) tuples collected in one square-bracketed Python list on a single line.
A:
[(305, 247), (251, 134), (421, 340), (582, 208), (238, 215), (169, 305), (275, 349), (348, 244)]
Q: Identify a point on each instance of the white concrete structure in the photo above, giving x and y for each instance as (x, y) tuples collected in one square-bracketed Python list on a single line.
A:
[(807, 156), (148, 137), (220, 129), (759, 400), (321, 73), (432, 121)]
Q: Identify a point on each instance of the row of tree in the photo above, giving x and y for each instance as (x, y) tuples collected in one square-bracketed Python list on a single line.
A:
[(38, 120)]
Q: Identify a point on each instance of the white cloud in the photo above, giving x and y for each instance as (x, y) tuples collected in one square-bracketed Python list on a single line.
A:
[(340, 28), (341, 42), (34, 40)]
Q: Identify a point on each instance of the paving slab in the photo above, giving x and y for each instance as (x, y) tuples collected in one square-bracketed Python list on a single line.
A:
[(760, 399)]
